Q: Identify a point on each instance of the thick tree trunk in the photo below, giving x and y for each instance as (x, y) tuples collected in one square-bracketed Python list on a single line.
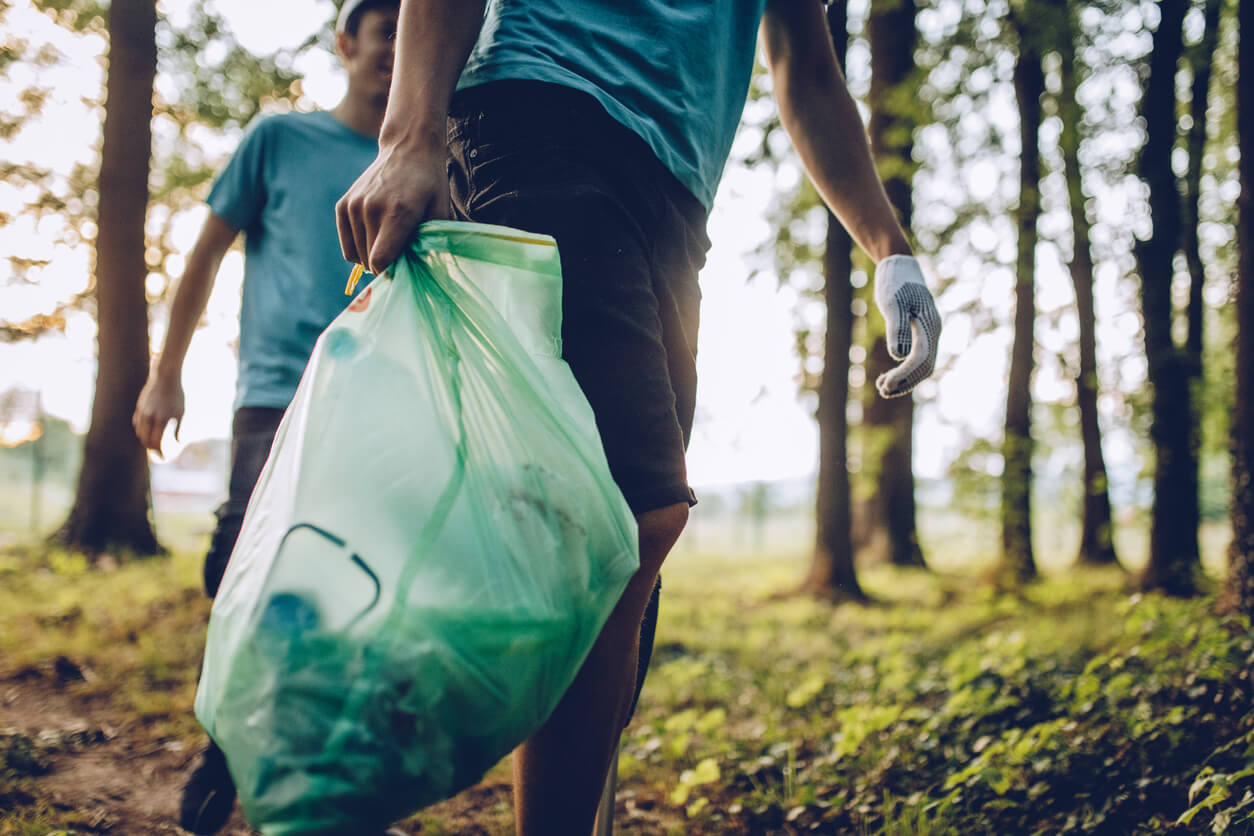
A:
[(112, 505), (1174, 563), (889, 527), (832, 575), (1240, 584), (1097, 545), (1018, 562)]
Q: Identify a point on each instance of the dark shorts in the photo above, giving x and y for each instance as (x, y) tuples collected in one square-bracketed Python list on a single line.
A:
[(252, 433), (549, 159)]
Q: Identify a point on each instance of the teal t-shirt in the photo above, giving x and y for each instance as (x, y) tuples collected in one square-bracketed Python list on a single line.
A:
[(280, 189), (674, 71)]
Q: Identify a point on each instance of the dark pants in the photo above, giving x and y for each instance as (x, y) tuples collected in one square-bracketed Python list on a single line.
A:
[(632, 239), (252, 433)]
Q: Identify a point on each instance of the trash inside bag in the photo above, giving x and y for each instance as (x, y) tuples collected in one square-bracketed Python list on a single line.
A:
[(431, 550)]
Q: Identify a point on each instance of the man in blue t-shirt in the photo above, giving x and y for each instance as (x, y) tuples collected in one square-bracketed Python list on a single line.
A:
[(279, 189), (606, 124)]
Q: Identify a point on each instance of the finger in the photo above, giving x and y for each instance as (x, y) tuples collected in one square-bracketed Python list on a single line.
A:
[(144, 431), (373, 222), (910, 303), (348, 246), (357, 229), (916, 368), (155, 430), (395, 231), (387, 246), (178, 424), (899, 338)]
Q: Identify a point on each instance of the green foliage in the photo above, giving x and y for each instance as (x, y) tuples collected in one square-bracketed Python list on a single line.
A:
[(1076, 709), (946, 708)]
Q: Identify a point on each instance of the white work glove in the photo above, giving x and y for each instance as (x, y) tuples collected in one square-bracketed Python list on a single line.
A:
[(912, 325)]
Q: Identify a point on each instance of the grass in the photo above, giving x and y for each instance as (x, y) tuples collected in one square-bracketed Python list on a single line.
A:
[(1078, 707)]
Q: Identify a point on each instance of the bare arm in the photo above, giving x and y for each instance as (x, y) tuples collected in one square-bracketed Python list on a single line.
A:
[(821, 118), (408, 182), (162, 397), (823, 121)]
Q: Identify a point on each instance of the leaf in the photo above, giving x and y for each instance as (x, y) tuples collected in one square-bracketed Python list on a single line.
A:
[(1203, 778), (805, 692), (681, 721), (707, 772), (711, 720)]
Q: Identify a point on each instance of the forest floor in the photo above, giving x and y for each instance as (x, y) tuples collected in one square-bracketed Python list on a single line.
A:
[(1077, 706)]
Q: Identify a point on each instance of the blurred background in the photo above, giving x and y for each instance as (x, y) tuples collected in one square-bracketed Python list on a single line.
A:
[(1038, 254)]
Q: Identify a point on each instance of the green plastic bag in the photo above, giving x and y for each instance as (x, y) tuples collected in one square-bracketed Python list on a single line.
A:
[(431, 550)]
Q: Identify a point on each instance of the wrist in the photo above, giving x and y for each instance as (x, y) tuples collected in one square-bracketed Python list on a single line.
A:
[(895, 244), (415, 137), (167, 371)]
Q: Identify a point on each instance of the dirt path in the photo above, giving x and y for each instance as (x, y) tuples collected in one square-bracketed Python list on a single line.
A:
[(103, 773), (97, 767)]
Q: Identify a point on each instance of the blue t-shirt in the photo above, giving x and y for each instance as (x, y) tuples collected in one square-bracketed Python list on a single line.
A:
[(674, 71), (280, 189)]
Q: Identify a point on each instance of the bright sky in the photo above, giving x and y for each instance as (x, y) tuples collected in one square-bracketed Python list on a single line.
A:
[(751, 424)]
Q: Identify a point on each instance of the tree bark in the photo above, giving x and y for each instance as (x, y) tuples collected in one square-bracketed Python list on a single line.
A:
[(1174, 562), (1018, 562), (1200, 58), (1239, 590), (112, 505), (1097, 545), (889, 523), (832, 575)]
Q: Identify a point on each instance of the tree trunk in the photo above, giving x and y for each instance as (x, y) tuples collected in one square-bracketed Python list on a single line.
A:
[(1200, 58), (1018, 563), (1174, 563), (1240, 584), (1097, 545), (832, 575), (889, 526), (112, 505)]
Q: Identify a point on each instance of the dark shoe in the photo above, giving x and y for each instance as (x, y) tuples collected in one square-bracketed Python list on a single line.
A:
[(208, 795)]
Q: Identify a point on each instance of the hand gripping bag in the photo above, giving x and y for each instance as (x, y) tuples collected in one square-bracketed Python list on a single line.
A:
[(431, 550)]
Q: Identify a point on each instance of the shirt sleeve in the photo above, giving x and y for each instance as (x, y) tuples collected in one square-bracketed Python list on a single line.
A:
[(239, 192)]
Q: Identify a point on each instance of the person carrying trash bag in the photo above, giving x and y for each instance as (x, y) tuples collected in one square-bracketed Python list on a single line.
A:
[(607, 125), (432, 548)]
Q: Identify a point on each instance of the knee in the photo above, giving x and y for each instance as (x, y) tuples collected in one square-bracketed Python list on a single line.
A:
[(659, 529)]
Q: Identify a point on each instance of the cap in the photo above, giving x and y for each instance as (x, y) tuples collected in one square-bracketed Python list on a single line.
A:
[(346, 11)]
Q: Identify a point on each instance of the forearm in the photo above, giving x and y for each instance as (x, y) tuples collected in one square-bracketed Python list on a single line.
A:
[(191, 295), (434, 38), (823, 121)]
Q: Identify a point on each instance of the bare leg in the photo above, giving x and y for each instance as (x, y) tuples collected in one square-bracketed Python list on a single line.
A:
[(560, 771)]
